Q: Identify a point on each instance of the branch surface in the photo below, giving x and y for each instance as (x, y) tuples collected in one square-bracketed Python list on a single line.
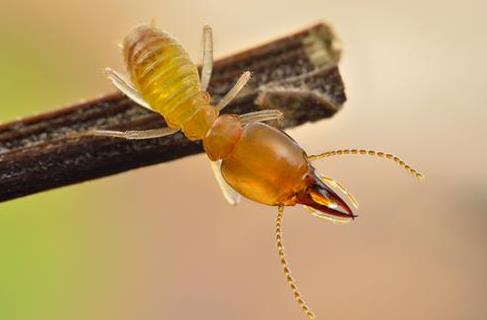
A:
[(297, 74)]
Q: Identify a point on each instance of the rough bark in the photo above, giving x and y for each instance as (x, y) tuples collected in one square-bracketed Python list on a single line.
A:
[(296, 74)]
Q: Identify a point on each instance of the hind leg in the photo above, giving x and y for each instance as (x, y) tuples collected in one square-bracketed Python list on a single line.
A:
[(126, 87), (134, 135), (207, 63), (234, 91)]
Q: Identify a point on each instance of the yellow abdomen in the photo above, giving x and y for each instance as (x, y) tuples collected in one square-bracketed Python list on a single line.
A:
[(168, 80)]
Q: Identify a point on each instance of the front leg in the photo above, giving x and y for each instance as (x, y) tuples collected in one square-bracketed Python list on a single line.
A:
[(261, 116)]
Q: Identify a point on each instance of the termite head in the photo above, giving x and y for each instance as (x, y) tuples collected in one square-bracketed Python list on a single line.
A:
[(322, 201)]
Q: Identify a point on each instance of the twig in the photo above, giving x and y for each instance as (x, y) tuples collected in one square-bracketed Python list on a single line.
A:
[(296, 74)]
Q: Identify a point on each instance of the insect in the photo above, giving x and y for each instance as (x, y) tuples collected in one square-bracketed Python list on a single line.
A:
[(248, 157)]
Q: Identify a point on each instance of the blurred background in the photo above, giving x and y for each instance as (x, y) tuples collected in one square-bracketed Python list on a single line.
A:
[(144, 245)]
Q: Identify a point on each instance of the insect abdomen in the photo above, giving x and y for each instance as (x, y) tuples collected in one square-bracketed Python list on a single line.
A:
[(166, 78)]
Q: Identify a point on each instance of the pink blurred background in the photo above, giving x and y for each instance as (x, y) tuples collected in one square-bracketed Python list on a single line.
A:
[(161, 243)]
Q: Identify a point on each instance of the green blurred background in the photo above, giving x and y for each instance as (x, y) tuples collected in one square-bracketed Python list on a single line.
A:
[(144, 245)]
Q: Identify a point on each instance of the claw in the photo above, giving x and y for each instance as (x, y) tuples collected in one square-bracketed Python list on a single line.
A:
[(321, 201)]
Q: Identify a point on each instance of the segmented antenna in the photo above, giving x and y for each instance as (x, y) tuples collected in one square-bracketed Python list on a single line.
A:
[(418, 175), (290, 280)]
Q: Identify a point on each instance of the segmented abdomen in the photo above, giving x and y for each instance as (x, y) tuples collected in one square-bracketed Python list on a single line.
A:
[(164, 74)]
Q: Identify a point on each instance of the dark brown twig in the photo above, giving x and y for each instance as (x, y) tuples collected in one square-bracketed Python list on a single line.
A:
[(296, 74)]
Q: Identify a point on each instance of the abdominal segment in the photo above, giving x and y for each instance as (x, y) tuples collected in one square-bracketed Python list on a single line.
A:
[(266, 165), (164, 75)]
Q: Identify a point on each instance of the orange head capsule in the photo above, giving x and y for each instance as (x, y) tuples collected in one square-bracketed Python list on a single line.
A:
[(266, 165)]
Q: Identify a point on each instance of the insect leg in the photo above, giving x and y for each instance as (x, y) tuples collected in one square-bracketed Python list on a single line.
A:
[(242, 81), (285, 267), (207, 61), (418, 175), (261, 116), (134, 135), (126, 87), (230, 195)]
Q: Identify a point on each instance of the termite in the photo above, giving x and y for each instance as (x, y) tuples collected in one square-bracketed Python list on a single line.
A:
[(248, 157)]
